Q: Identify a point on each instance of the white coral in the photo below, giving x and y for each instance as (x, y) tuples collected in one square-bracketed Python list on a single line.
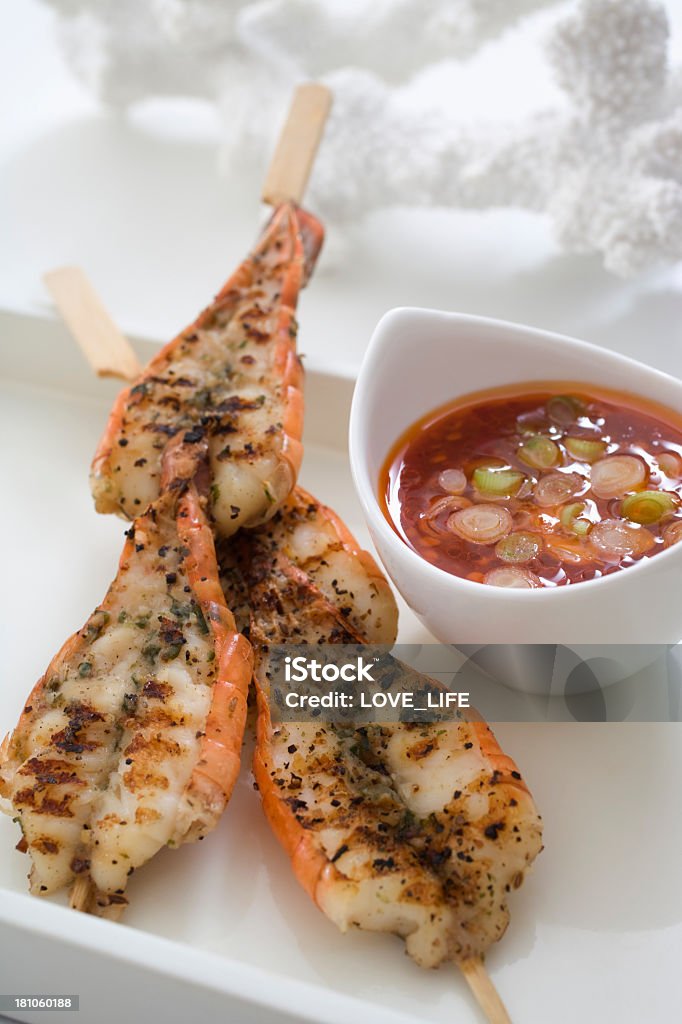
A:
[(392, 38), (606, 167), (611, 58)]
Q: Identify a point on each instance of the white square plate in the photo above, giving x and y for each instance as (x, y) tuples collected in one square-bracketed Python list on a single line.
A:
[(220, 931)]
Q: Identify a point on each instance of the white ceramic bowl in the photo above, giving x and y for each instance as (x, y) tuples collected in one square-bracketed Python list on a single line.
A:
[(419, 359)]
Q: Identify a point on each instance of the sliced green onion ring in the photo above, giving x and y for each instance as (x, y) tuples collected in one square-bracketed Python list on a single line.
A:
[(529, 423), (481, 524), (673, 533), (453, 481), (615, 475), (556, 488), (518, 547), (584, 449), (564, 409), (427, 520), (573, 521), (498, 482), (539, 452), (615, 537), (646, 507), (670, 464), (511, 577)]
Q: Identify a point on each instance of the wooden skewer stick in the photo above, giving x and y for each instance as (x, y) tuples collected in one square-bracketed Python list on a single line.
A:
[(83, 897), (484, 991), (107, 350), (293, 158), (81, 893), (109, 353), (114, 912)]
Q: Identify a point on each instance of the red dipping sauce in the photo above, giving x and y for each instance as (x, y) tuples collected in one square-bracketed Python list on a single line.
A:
[(538, 485)]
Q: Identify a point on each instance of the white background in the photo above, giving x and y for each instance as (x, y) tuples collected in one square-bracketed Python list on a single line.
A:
[(140, 202)]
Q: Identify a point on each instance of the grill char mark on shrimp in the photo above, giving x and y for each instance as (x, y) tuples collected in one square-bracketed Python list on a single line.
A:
[(420, 830), (317, 541), (131, 739), (233, 376)]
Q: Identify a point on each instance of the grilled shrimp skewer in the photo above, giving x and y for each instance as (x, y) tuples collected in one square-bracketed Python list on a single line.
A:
[(417, 829), (131, 740), (234, 377), (313, 538)]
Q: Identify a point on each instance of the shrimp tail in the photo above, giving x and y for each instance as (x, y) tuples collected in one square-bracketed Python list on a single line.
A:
[(233, 371)]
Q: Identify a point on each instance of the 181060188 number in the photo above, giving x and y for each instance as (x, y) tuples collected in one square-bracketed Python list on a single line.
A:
[(38, 1002)]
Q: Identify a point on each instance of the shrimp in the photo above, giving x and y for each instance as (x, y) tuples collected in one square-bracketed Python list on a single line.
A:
[(131, 740), (417, 829), (233, 376), (313, 538)]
